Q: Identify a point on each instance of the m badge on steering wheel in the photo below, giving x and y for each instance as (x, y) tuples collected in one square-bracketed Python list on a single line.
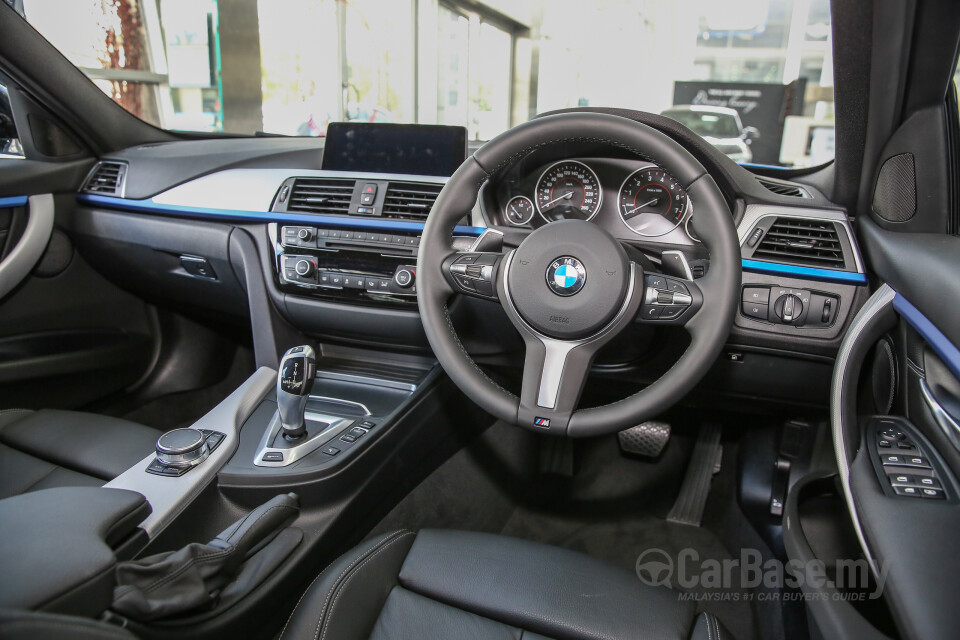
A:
[(566, 276)]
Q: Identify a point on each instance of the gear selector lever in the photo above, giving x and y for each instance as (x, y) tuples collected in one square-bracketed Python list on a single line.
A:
[(294, 381)]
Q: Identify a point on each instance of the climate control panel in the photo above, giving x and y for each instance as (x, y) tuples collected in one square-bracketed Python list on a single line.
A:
[(789, 306), (347, 264)]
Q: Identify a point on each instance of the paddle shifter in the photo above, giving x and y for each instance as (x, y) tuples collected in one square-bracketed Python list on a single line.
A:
[(297, 368)]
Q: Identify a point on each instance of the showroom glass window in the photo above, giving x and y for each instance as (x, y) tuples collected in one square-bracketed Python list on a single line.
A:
[(291, 67)]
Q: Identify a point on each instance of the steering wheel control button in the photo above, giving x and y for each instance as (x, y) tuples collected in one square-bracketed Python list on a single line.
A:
[(656, 282), (474, 273), (566, 276), (665, 299), (671, 312), (182, 448)]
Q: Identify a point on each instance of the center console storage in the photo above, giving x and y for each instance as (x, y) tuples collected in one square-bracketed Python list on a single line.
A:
[(46, 570)]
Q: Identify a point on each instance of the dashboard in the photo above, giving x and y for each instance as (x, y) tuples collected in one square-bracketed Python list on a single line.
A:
[(260, 231)]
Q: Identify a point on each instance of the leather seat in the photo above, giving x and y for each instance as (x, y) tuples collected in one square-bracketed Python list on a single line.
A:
[(49, 448), (455, 584)]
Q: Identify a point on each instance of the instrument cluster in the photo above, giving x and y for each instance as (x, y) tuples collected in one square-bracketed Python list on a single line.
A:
[(633, 199)]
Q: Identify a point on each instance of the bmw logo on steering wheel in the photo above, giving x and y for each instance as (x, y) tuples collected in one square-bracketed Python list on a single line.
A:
[(566, 276)]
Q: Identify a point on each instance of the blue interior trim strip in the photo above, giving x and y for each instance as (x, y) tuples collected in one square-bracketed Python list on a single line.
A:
[(13, 201), (831, 275), (940, 343), (755, 165), (149, 206)]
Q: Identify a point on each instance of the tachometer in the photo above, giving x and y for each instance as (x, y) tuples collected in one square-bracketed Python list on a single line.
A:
[(568, 190), (652, 202)]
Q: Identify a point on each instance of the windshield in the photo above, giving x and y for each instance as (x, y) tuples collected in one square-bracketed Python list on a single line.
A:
[(753, 76)]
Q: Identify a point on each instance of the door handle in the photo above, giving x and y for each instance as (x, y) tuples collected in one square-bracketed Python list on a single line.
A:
[(947, 423)]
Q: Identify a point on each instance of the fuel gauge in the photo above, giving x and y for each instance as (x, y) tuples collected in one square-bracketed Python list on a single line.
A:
[(519, 210)]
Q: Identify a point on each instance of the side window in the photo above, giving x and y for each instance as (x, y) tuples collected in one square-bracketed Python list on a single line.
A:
[(9, 141)]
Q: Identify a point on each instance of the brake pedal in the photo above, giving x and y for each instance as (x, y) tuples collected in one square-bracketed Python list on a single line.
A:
[(647, 439)]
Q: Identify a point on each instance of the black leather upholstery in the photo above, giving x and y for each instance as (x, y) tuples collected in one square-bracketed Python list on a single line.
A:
[(44, 569), (455, 584), (49, 448)]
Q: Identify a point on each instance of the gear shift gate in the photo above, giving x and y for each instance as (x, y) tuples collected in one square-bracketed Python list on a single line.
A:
[(276, 451)]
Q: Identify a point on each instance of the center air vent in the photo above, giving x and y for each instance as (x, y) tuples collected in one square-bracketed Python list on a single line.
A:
[(783, 188), (812, 243), (410, 201), (107, 178), (321, 195)]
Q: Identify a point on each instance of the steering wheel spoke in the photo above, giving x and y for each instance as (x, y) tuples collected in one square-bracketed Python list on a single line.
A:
[(554, 374), (669, 300), (556, 370)]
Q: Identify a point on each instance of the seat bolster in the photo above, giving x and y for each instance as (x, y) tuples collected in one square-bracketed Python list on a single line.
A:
[(708, 627), (95, 445), (345, 600), (542, 589)]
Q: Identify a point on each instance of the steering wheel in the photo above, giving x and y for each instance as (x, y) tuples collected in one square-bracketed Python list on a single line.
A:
[(570, 286)]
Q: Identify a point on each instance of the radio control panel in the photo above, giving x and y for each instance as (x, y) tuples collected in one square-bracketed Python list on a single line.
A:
[(347, 264)]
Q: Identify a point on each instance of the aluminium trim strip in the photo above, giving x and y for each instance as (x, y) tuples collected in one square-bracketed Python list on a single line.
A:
[(153, 207), (878, 303)]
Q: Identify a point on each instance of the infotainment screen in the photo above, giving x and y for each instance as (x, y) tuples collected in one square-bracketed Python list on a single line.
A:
[(414, 149)]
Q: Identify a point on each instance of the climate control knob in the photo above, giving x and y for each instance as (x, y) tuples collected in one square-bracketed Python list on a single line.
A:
[(305, 268), (405, 278)]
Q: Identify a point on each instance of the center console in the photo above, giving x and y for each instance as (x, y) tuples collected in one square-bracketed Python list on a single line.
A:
[(363, 213)]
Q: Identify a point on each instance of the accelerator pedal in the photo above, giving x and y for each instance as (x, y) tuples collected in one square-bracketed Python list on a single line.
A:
[(647, 439), (688, 508)]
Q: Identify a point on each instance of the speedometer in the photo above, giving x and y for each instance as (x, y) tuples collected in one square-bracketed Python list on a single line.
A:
[(652, 202), (568, 190)]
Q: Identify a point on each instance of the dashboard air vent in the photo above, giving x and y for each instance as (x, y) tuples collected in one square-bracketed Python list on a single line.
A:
[(409, 200), (321, 195), (107, 178), (800, 241), (783, 189)]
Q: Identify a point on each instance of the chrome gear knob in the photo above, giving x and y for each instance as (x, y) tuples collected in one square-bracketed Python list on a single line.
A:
[(294, 381)]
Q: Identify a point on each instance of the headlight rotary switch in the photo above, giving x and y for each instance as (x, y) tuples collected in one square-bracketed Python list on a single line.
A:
[(788, 308)]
